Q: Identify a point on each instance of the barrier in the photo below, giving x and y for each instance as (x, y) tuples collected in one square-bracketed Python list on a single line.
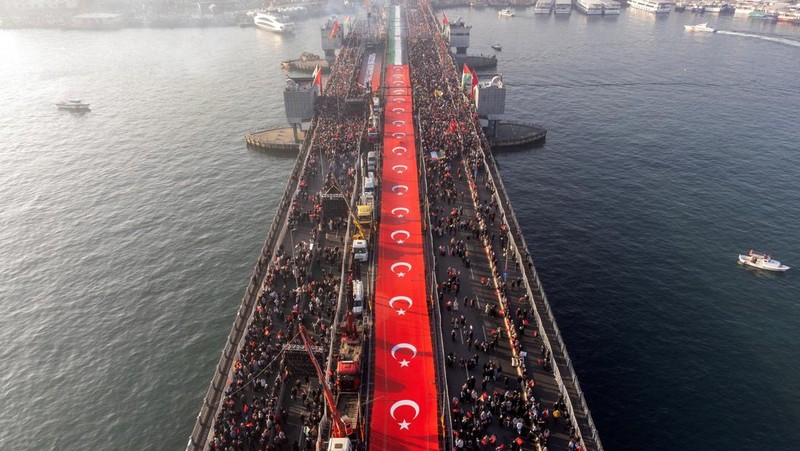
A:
[(213, 397)]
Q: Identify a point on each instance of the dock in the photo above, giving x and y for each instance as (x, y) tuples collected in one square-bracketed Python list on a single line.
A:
[(277, 139), (395, 304), (510, 134)]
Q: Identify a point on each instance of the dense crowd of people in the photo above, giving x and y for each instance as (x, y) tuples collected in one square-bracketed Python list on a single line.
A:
[(454, 161), (295, 290)]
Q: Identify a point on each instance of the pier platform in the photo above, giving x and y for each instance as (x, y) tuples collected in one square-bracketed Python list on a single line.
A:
[(279, 139), (510, 134)]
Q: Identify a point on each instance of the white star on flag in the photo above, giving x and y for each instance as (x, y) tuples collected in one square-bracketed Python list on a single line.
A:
[(401, 312), (404, 425), (404, 363)]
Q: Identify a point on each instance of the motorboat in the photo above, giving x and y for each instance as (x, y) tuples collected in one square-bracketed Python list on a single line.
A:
[(703, 27), (506, 12), (761, 261), (273, 23), (497, 46), (73, 105)]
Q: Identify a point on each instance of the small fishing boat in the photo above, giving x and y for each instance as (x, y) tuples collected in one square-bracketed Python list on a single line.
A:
[(497, 46), (73, 105), (763, 261), (506, 12)]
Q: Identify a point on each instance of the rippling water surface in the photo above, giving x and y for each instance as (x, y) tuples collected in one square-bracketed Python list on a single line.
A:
[(128, 233)]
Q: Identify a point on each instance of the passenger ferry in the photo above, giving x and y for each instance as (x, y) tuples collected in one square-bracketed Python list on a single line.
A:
[(273, 23), (717, 7), (611, 8), (543, 6), (563, 7), (507, 12), (788, 16), (590, 7), (744, 9), (653, 6)]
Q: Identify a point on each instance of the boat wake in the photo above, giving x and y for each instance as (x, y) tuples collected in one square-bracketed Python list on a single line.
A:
[(785, 41)]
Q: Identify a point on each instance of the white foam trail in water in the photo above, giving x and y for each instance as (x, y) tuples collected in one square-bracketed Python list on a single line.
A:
[(763, 38)]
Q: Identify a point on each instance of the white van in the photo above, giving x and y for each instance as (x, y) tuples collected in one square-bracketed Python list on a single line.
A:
[(369, 185), (372, 161), (358, 297)]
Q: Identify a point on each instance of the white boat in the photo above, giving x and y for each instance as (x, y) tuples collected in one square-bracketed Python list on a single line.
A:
[(761, 261), (563, 7), (590, 7), (703, 27), (653, 6), (73, 105), (273, 23), (717, 7), (497, 46), (744, 9), (543, 6), (611, 8), (506, 12)]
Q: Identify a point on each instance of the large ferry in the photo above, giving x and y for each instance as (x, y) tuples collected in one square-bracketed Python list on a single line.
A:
[(611, 8), (717, 7), (543, 6), (563, 7), (590, 7), (653, 6), (788, 15), (273, 23), (744, 9)]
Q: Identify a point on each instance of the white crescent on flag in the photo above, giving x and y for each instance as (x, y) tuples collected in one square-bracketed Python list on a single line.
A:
[(400, 189), (400, 311), (399, 168), (397, 83), (398, 123), (398, 91), (397, 75), (404, 363), (399, 150), (400, 211), (397, 233), (398, 110), (397, 68), (398, 135), (399, 99), (405, 265), (404, 403)]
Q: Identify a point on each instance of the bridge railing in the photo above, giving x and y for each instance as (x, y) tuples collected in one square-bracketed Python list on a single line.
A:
[(276, 234), (525, 265)]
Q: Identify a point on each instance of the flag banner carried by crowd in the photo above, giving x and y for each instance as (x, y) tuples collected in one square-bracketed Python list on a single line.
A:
[(334, 29), (316, 80), (469, 79)]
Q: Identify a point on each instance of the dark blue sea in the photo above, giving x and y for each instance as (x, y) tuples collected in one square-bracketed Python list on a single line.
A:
[(128, 233)]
